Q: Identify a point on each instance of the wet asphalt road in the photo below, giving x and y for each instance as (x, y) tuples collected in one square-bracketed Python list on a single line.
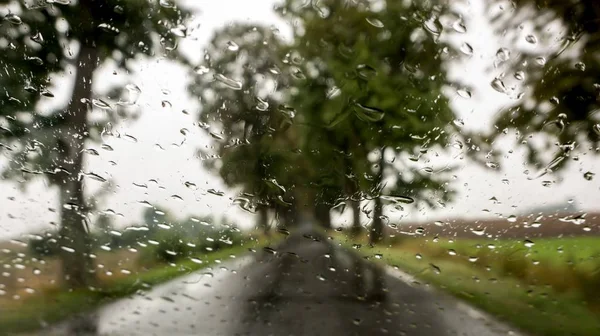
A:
[(308, 287)]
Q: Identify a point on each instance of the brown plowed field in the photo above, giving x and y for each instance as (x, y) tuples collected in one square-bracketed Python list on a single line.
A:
[(547, 226)]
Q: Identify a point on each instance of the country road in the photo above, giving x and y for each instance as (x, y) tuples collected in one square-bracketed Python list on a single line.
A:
[(305, 286)]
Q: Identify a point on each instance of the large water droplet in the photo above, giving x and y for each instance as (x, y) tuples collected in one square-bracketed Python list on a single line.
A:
[(519, 75), (37, 38), (478, 231), (13, 18), (179, 30), (245, 204), (375, 22), (459, 26), (130, 138), (232, 46), (464, 93), (146, 204), (230, 83), (92, 151), (397, 199), (35, 60), (94, 176), (297, 73), (498, 85), (466, 49), (67, 249), (333, 92), (201, 70), (365, 71), (531, 39), (502, 54), (132, 95), (100, 104), (108, 28), (269, 250), (492, 165), (47, 93), (433, 26), (369, 113), (540, 60), (288, 111), (261, 105), (166, 104), (166, 3), (164, 226), (215, 192)]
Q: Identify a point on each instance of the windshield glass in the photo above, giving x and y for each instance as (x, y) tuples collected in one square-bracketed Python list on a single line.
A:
[(299, 167)]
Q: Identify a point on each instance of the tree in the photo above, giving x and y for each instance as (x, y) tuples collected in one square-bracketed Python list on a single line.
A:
[(373, 85), (103, 235), (356, 88), (241, 85), (51, 40), (561, 102)]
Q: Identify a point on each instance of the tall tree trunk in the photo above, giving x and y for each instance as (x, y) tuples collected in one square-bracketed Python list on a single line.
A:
[(356, 228), (376, 234), (290, 215), (351, 192), (287, 215), (377, 225), (77, 264), (322, 215), (263, 218)]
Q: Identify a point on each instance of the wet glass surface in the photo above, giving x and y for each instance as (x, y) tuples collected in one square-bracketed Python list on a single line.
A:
[(299, 167)]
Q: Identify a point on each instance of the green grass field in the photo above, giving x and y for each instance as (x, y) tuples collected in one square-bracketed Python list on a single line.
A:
[(550, 288), (554, 252)]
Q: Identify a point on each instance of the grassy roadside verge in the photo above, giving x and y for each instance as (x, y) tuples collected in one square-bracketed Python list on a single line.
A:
[(52, 307), (536, 310)]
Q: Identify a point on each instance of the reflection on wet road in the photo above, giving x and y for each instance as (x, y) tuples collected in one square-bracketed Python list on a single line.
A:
[(307, 286)]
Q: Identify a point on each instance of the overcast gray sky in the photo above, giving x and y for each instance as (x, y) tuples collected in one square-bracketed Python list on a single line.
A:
[(159, 153)]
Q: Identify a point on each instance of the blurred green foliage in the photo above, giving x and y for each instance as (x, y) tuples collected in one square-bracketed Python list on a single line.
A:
[(42, 41), (159, 239), (297, 123), (559, 78)]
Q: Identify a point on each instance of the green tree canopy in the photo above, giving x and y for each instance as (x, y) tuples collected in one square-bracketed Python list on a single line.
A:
[(373, 84), (296, 125), (242, 86), (43, 41), (561, 101)]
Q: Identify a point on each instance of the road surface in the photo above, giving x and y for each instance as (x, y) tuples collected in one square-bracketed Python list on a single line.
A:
[(306, 286)]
